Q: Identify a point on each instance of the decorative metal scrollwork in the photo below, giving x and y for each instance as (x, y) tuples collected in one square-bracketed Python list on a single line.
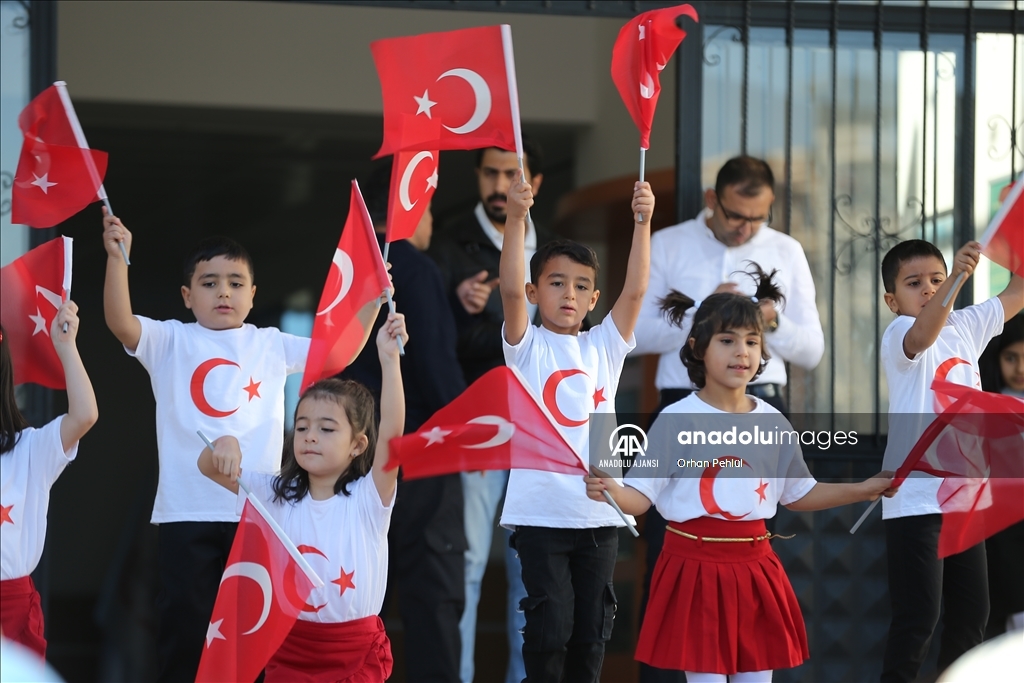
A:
[(871, 238), (945, 68), (22, 21), (716, 59), (1015, 142), (6, 182)]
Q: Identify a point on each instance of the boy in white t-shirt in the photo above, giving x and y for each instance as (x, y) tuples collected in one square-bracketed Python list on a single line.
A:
[(566, 542), (928, 341), (219, 375)]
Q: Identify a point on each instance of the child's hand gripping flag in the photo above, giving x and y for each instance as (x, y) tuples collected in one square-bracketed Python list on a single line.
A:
[(347, 306), (977, 445), (495, 424), (32, 288), (1003, 241), (262, 591)]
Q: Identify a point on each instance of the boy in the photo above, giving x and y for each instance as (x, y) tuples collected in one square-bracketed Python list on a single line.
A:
[(218, 375), (567, 543), (929, 341)]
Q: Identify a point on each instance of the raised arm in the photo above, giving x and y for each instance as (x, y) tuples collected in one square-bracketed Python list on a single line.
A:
[(512, 267), (82, 410), (825, 496), (638, 269), (224, 463), (929, 322), (1012, 297), (117, 302), (392, 402)]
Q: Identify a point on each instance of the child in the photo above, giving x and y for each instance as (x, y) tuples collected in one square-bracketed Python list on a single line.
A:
[(219, 375), (927, 342), (30, 462), (721, 603), (326, 505), (567, 543)]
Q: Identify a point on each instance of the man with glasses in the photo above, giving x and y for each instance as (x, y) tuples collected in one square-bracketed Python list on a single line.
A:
[(707, 255)]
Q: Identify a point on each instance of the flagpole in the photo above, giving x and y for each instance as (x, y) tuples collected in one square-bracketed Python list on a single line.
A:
[(643, 165), (391, 301), (90, 165), (287, 542), (513, 100), (863, 517)]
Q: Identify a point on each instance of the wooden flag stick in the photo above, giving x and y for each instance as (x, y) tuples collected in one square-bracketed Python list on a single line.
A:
[(391, 301), (292, 550)]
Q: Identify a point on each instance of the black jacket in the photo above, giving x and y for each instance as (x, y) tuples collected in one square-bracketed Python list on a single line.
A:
[(461, 252)]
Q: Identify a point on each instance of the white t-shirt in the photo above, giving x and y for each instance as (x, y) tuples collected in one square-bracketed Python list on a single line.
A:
[(699, 487), (220, 382), (576, 376), (27, 472), (345, 541), (913, 405)]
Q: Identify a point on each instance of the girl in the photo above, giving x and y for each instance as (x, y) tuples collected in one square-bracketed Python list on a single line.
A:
[(30, 462), (721, 603), (337, 516)]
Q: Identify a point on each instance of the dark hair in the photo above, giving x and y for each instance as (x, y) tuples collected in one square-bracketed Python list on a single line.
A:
[(533, 155), (748, 174), (212, 247), (376, 192), (11, 419), (292, 483), (991, 372), (717, 313), (900, 254), (580, 253)]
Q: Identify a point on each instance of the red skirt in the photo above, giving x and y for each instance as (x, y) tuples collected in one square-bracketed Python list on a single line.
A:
[(721, 608), (353, 651), (21, 614)]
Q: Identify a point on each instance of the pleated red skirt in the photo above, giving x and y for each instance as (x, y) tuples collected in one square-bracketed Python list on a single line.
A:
[(21, 614), (721, 608), (351, 652)]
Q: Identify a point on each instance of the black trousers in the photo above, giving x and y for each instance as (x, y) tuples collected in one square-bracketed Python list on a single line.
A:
[(919, 584), (192, 556), (570, 602), (428, 567)]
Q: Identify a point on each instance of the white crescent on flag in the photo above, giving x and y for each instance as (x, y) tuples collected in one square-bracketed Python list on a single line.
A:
[(505, 431), (403, 186), (259, 574), (343, 262), (482, 94)]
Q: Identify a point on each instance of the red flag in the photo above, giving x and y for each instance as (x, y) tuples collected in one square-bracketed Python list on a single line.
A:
[(32, 288), (1003, 241), (261, 594), (57, 174), (451, 90), (495, 424), (641, 51), (356, 278), (975, 445), (413, 181)]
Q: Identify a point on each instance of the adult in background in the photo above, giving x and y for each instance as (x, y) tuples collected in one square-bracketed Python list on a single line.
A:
[(426, 541), (468, 255), (707, 255)]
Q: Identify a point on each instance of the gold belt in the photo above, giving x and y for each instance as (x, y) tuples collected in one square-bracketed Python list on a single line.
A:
[(750, 539)]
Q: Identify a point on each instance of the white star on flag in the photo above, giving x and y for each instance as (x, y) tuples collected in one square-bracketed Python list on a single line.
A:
[(42, 183), (40, 323), (423, 104), (213, 632), (435, 435), (432, 180)]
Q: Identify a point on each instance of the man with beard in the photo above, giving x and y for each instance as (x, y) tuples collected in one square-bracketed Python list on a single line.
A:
[(468, 254)]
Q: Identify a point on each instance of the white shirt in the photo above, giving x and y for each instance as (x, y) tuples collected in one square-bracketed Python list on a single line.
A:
[(590, 364), (498, 239), (688, 258), (27, 472), (345, 541), (698, 487), (222, 382), (913, 405)]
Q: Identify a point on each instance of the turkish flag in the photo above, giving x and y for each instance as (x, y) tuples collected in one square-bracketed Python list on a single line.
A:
[(356, 278), (495, 424), (57, 175), (976, 445), (32, 288), (451, 90), (261, 594), (1003, 241), (413, 181), (641, 51)]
